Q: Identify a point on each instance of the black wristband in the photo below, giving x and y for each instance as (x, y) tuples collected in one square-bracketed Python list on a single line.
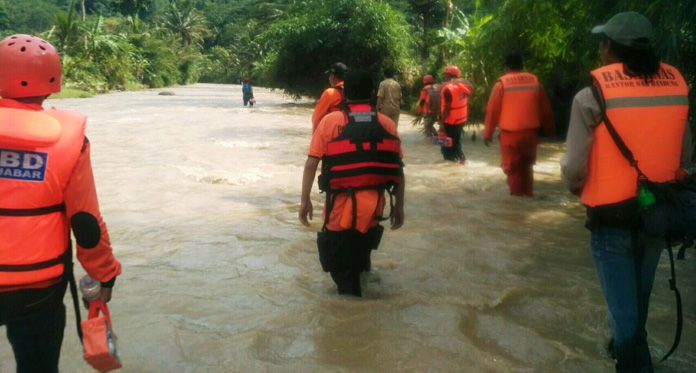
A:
[(109, 284)]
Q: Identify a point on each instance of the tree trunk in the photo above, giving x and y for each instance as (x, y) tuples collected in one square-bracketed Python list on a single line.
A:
[(84, 11)]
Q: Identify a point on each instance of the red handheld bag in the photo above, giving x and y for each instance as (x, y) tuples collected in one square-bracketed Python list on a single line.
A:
[(442, 140), (99, 339)]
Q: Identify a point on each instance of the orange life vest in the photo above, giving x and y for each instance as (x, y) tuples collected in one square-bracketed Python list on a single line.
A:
[(520, 106), (459, 107), (650, 118), (336, 105), (38, 151), (424, 100)]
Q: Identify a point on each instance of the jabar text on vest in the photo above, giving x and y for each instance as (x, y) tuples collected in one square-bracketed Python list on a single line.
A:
[(22, 165)]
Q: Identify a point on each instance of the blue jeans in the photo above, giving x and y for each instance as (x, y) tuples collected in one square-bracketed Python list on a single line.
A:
[(615, 260)]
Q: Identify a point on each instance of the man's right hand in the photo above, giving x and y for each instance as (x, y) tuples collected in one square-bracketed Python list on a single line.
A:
[(487, 142), (306, 209)]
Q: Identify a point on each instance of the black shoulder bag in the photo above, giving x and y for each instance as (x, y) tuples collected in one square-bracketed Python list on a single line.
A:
[(672, 215)]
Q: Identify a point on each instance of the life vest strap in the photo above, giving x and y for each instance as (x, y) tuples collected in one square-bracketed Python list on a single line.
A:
[(61, 259), (33, 212)]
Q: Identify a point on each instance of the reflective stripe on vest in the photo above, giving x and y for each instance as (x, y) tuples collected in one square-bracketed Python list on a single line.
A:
[(459, 108), (35, 231), (650, 118), (363, 156), (520, 105)]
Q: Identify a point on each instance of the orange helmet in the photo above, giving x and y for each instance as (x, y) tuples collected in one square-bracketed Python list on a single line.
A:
[(452, 70), (428, 79), (29, 66)]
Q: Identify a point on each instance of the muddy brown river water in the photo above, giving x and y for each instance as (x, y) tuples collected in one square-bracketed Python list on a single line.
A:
[(200, 196)]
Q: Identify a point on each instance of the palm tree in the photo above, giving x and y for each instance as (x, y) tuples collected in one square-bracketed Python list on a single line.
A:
[(184, 21)]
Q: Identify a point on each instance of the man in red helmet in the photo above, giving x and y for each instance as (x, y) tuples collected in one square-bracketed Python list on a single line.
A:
[(46, 190), (428, 106), (454, 107)]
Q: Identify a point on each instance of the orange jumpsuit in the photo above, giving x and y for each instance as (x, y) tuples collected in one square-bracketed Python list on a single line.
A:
[(38, 209), (519, 106), (328, 102)]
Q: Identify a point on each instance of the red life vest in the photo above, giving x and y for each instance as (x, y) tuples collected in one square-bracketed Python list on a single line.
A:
[(363, 156), (424, 106), (459, 107), (38, 151)]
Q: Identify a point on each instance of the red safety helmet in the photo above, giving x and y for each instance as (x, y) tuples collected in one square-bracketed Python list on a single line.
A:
[(29, 66), (452, 70), (428, 79), (247, 80)]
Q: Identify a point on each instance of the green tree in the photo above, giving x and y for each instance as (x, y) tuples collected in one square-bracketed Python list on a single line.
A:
[(131, 7), (183, 20), (362, 33), (4, 19)]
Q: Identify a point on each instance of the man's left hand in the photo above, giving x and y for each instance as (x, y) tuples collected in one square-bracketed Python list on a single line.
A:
[(397, 220), (487, 142), (106, 294)]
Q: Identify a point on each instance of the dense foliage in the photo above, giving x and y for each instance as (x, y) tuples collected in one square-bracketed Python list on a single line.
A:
[(287, 44), (361, 33)]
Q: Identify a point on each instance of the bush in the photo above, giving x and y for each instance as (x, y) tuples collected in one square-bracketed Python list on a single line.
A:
[(363, 34)]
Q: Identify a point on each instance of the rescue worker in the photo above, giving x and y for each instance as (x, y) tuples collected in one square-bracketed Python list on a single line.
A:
[(646, 102), (332, 97), (519, 106), (389, 97), (46, 190), (355, 182), (454, 108), (248, 92), (424, 107)]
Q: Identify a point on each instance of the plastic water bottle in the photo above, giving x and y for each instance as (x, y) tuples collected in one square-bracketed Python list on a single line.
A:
[(645, 197), (90, 289)]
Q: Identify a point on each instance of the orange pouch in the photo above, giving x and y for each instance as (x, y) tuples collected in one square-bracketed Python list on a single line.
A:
[(99, 339)]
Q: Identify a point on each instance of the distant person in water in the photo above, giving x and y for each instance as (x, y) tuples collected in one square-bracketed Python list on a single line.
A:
[(248, 92)]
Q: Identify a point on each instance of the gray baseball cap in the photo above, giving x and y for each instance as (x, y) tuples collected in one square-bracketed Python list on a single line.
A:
[(626, 29)]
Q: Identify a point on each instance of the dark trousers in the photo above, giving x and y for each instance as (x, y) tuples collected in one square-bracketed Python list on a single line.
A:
[(455, 152), (246, 98), (346, 254), (35, 320)]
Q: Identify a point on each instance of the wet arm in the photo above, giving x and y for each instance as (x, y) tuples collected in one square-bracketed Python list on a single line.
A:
[(380, 96), (398, 219), (306, 207), (495, 103), (584, 116), (82, 207)]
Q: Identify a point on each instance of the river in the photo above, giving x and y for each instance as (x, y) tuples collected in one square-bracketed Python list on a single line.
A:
[(200, 196)]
